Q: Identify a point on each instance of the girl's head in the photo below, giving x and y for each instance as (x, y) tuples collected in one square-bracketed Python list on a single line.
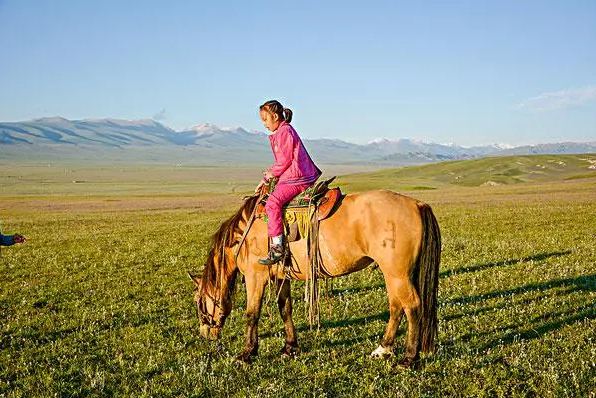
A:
[(273, 113)]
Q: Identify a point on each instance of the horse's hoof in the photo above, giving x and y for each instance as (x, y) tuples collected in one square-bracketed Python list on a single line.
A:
[(289, 351), (245, 358), (382, 352), (409, 363)]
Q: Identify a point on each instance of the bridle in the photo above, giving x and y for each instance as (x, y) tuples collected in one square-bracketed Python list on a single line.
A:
[(206, 317)]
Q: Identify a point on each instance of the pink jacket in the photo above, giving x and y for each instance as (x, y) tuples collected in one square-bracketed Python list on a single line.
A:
[(292, 163)]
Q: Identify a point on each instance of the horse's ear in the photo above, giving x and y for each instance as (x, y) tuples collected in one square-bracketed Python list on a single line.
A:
[(196, 279)]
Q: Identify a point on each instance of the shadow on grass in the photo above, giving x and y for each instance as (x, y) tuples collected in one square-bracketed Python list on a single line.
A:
[(350, 322), (536, 331), (354, 322), (582, 283), (33, 334), (481, 267), (543, 322), (566, 318), (347, 343), (489, 309)]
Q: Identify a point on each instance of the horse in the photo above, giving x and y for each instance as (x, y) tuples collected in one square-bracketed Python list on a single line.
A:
[(399, 234)]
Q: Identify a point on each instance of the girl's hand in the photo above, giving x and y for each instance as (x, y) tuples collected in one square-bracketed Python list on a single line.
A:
[(19, 239), (258, 188)]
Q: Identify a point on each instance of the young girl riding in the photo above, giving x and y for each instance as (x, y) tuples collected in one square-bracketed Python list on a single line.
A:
[(293, 168)]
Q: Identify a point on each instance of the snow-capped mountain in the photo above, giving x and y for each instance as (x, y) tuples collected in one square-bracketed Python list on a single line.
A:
[(207, 143)]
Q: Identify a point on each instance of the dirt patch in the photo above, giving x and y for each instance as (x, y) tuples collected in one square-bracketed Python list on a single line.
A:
[(202, 203), (490, 184)]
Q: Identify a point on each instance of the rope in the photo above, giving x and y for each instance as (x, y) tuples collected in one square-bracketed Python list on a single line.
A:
[(314, 271)]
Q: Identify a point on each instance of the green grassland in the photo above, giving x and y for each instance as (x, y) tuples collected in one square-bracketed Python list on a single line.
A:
[(490, 171), (97, 302)]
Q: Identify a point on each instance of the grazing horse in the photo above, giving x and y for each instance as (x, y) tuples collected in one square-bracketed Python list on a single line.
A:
[(398, 233)]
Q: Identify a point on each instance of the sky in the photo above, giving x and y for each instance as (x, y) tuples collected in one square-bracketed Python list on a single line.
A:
[(466, 72)]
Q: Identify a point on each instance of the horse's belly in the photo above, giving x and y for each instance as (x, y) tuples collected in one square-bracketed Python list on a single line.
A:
[(336, 259)]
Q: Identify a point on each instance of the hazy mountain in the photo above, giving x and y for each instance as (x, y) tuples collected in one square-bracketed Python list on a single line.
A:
[(394, 149), (92, 132), (212, 136), (147, 140), (552, 149)]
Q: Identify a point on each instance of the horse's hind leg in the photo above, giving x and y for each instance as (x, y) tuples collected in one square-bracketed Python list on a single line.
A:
[(395, 315), (284, 304), (410, 300), (413, 339)]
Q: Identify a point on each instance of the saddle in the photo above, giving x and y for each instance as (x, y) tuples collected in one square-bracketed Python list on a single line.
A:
[(298, 212)]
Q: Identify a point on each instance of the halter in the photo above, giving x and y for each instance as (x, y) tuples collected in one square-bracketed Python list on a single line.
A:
[(209, 318)]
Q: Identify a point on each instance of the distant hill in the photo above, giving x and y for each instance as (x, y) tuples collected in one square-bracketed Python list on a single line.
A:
[(57, 138), (489, 171), (560, 148)]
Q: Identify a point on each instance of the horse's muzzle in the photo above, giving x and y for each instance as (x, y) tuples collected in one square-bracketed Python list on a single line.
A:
[(209, 333)]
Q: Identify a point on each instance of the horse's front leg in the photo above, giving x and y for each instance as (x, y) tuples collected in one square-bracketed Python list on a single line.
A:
[(255, 287), (284, 304)]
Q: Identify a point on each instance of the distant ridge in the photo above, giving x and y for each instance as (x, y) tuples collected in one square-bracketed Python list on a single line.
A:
[(57, 138), (487, 172)]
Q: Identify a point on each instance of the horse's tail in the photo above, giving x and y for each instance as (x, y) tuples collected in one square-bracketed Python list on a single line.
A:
[(427, 266)]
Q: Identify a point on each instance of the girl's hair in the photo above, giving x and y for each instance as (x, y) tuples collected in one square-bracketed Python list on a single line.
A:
[(275, 108)]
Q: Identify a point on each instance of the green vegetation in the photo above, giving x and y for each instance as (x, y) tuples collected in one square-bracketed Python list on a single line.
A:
[(97, 302), (487, 171)]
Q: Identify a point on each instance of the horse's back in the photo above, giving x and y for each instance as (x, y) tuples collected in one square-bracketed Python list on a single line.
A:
[(380, 225), (375, 208)]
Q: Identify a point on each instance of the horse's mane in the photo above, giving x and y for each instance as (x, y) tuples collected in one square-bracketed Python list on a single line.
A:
[(221, 239)]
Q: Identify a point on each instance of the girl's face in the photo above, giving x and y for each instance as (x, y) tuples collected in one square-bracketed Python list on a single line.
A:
[(270, 121)]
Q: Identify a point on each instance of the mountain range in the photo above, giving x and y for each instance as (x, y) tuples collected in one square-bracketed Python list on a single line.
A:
[(57, 138)]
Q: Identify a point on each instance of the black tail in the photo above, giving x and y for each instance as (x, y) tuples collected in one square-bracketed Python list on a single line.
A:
[(427, 265)]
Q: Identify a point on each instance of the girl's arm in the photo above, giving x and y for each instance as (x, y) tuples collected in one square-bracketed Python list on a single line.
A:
[(6, 240)]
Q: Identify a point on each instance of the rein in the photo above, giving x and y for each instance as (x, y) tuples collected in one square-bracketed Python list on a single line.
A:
[(248, 225)]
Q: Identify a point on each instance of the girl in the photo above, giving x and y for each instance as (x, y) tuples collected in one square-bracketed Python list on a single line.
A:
[(293, 167)]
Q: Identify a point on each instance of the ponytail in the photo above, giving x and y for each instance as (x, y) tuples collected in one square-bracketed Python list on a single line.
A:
[(288, 114), (275, 108)]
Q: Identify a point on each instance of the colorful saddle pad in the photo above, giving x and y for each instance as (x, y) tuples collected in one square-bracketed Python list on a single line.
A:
[(301, 205)]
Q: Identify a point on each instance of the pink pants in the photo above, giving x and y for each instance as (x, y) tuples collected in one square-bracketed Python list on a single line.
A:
[(281, 195)]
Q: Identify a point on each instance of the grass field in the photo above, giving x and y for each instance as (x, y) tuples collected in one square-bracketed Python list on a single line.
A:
[(98, 303)]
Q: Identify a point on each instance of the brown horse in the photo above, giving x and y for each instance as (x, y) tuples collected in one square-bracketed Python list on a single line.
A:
[(399, 233)]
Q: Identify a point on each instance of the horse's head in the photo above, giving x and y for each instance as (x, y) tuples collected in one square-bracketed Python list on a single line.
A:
[(214, 288), (212, 310)]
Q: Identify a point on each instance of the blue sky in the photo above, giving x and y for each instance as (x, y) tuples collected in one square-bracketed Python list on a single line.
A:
[(468, 72)]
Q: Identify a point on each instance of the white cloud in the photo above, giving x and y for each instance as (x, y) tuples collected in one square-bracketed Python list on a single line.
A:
[(161, 115), (566, 98)]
